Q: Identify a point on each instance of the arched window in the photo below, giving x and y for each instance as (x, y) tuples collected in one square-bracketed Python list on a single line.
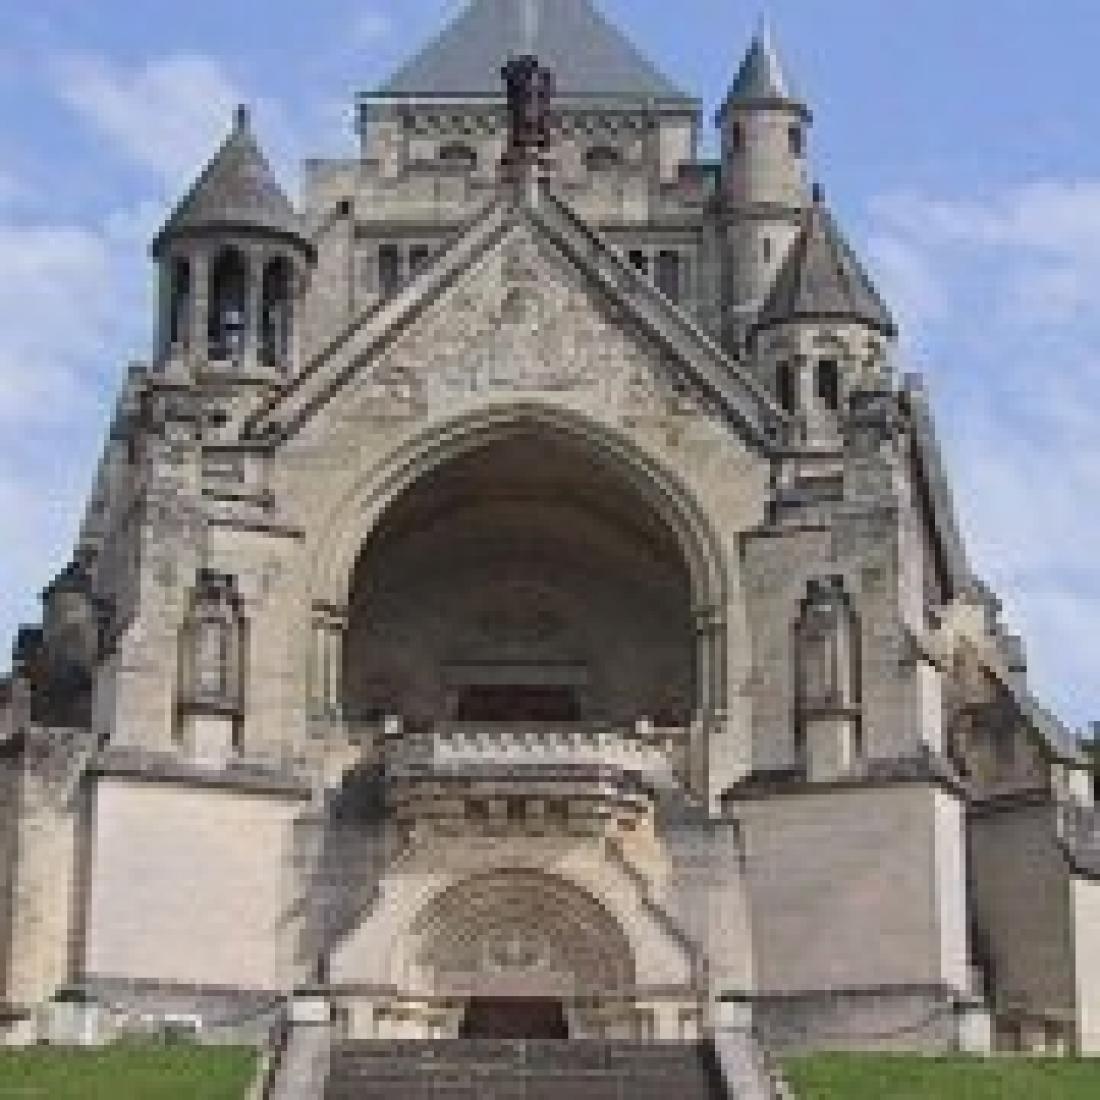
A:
[(602, 158), (797, 141), (179, 304), (277, 320), (827, 681), (828, 384), (228, 305), (458, 155), (212, 651), (737, 137)]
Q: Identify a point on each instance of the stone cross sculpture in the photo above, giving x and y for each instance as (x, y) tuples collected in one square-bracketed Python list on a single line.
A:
[(530, 89)]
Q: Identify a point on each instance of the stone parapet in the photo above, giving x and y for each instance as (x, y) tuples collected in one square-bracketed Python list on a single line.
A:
[(642, 752)]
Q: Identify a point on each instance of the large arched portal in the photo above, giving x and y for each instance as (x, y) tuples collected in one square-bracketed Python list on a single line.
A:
[(525, 580)]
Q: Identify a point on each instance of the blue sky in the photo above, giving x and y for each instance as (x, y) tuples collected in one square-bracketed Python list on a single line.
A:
[(957, 141)]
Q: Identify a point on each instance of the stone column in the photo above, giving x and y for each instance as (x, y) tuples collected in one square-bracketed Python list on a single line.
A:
[(199, 331), (253, 310), (711, 690), (326, 663)]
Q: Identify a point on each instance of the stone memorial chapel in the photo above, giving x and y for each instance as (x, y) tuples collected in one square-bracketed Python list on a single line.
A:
[(520, 599)]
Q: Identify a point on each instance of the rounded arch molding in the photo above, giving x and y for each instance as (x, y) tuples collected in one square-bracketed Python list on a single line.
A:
[(335, 550), (519, 929), (351, 521)]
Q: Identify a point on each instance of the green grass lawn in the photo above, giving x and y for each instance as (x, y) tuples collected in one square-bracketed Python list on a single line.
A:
[(871, 1077), (127, 1073)]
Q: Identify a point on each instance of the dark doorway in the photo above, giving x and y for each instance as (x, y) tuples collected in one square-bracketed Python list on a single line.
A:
[(514, 1018), (518, 703)]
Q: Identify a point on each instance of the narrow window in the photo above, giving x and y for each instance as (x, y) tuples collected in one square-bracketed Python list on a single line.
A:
[(639, 260), (737, 137), (277, 316), (828, 384), (213, 641), (766, 249), (179, 308), (797, 141), (228, 305), (389, 269), (785, 387), (419, 255), (668, 274)]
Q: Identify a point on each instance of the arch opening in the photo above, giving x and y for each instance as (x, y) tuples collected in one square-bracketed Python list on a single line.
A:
[(525, 579), (277, 316), (523, 937), (228, 305)]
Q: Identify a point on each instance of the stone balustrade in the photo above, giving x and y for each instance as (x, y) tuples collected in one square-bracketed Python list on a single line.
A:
[(468, 750)]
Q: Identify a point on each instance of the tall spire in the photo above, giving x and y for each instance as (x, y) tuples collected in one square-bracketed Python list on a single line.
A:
[(762, 78)]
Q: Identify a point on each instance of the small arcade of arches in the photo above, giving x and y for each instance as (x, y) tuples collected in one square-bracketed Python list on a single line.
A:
[(524, 581), (237, 306)]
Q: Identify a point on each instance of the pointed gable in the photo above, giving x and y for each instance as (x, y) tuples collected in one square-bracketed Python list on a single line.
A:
[(236, 191), (822, 279), (589, 56), (719, 381)]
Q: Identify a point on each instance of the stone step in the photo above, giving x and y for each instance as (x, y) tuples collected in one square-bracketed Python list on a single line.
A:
[(535, 1070)]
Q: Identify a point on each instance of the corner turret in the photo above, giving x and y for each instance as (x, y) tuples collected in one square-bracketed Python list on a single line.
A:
[(232, 259), (823, 331), (763, 125)]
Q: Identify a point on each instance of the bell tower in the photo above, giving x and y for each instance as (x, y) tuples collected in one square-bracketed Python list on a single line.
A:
[(232, 260)]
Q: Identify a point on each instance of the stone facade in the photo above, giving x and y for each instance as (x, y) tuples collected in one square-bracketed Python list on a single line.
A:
[(522, 580)]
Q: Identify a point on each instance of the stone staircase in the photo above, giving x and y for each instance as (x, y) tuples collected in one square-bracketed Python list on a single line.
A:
[(586, 1069)]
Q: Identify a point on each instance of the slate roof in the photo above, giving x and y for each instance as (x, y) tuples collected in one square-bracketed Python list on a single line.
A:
[(236, 190), (762, 75), (822, 278), (762, 78), (589, 56)]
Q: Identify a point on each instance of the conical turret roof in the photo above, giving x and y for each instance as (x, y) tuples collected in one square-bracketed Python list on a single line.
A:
[(822, 279), (587, 54), (762, 78), (235, 191)]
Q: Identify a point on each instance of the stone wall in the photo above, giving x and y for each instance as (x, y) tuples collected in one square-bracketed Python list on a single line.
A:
[(193, 886)]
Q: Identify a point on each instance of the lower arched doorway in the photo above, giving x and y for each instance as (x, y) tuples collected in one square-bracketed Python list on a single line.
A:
[(523, 952), (514, 1018)]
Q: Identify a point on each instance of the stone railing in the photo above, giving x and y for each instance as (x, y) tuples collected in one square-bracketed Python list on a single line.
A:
[(462, 749)]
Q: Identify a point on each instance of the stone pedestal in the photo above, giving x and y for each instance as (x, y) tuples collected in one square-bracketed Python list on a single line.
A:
[(975, 1028), (303, 1064), (741, 1059), (73, 1019)]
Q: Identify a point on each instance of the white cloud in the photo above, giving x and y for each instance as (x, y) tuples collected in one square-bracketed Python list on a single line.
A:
[(74, 302), (166, 116), (1001, 295)]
